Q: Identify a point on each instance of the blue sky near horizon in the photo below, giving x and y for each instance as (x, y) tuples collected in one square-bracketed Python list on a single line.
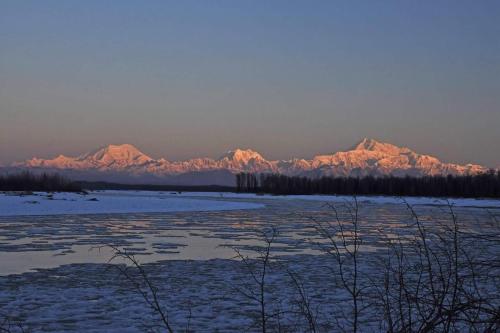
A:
[(183, 79)]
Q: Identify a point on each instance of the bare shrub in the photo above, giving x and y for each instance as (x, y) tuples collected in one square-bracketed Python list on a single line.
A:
[(303, 302), (439, 279), (142, 284), (343, 242), (432, 276), (258, 269), (9, 324)]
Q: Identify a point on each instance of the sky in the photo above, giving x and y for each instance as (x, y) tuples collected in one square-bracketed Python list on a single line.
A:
[(182, 79)]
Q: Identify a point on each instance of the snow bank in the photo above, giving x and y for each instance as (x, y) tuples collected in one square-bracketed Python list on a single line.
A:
[(105, 203), (459, 202)]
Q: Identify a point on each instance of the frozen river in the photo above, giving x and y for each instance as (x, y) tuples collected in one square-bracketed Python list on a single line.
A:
[(54, 257)]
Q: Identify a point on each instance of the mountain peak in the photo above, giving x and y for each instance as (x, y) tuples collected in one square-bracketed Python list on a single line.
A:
[(366, 144), (124, 153), (377, 146), (241, 155)]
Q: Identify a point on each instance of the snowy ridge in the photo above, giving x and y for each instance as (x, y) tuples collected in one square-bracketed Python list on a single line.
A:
[(368, 157)]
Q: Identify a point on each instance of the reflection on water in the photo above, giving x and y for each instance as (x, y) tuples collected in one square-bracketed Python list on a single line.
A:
[(42, 242)]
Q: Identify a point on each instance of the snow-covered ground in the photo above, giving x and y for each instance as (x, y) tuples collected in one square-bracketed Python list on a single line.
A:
[(96, 298), (109, 202), (54, 275), (458, 202)]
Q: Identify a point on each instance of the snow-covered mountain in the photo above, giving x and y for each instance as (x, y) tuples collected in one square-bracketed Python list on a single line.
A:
[(371, 157), (126, 163), (112, 157)]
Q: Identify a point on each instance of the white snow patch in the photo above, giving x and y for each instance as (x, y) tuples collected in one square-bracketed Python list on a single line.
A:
[(459, 202), (109, 202)]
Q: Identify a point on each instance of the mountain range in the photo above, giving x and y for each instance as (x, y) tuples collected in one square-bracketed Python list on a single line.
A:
[(125, 163)]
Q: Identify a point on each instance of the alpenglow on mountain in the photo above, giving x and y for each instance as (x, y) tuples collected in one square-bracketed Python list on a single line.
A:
[(125, 163)]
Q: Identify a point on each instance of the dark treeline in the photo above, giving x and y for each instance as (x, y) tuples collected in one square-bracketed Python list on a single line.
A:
[(152, 187), (26, 181), (482, 185)]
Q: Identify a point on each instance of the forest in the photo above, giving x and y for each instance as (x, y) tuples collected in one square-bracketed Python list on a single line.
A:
[(27, 181), (470, 186)]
